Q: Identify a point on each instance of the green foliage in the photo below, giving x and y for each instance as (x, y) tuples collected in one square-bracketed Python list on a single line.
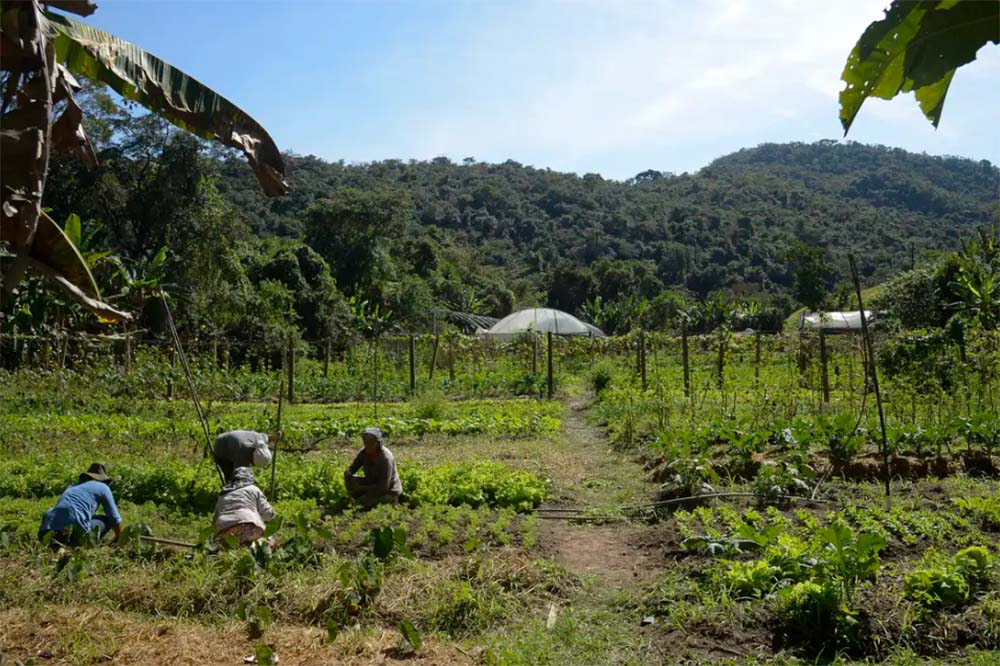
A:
[(600, 376), (916, 47), (174, 484), (411, 635), (784, 478), (952, 583), (430, 405), (812, 275), (813, 614), (986, 510), (849, 556)]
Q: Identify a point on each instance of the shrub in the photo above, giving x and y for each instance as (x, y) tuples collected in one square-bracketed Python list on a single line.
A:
[(430, 404), (600, 376)]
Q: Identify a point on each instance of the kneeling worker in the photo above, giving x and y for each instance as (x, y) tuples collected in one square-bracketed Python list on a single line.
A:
[(242, 509), (75, 512), (380, 484)]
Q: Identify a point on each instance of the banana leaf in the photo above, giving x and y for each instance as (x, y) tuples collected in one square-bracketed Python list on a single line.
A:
[(137, 75), (54, 254)]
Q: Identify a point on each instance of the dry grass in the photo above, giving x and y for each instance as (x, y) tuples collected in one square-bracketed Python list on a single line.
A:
[(88, 635)]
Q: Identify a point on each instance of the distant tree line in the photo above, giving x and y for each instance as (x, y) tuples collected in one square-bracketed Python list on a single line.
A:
[(758, 232)]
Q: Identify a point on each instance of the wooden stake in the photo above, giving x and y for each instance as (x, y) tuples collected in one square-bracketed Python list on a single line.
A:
[(684, 360), (291, 371), (190, 382), (549, 336), (277, 438), (874, 374), (413, 365), (824, 374), (326, 358), (642, 358), (434, 356), (756, 357)]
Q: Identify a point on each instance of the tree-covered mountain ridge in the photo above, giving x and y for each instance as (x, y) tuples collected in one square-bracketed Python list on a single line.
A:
[(728, 226)]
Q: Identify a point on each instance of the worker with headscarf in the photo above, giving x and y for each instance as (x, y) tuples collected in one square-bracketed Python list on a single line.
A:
[(380, 484), (240, 448)]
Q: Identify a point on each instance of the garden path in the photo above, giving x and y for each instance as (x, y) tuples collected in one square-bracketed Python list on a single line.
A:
[(610, 557)]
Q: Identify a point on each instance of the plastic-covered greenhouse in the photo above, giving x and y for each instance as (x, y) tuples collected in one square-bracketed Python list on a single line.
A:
[(834, 322), (541, 320)]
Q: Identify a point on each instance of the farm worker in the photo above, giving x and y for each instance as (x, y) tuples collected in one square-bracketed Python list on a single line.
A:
[(240, 448), (380, 484), (74, 513), (242, 509)]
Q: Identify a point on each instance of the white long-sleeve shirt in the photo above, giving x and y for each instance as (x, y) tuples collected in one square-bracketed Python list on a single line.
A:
[(243, 505)]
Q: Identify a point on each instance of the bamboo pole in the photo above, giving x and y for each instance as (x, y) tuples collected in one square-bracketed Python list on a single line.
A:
[(413, 366), (824, 373), (434, 355), (549, 337), (874, 374), (684, 360), (190, 382), (291, 371), (277, 438), (642, 358)]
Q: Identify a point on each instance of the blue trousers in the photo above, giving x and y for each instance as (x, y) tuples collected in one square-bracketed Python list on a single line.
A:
[(70, 535)]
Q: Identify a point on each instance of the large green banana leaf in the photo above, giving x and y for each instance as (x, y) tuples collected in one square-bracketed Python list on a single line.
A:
[(138, 75), (53, 253)]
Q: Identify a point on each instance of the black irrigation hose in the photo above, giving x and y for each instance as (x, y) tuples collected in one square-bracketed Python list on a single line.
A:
[(676, 500)]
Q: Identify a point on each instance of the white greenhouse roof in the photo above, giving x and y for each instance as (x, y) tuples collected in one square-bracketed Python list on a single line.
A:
[(541, 320), (834, 321)]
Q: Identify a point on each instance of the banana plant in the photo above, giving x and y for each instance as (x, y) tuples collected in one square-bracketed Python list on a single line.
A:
[(977, 283), (41, 51)]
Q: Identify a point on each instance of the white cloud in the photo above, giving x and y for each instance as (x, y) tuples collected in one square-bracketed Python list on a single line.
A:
[(584, 78)]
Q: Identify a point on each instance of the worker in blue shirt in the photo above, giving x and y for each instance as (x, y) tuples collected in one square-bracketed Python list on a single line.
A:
[(75, 512)]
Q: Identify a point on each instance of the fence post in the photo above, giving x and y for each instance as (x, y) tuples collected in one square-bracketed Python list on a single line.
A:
[(326, 358), (451, 360), (413, 366), (721, 363), (548, 335), (642, 358), (173, 366), (756, 357), (871, 362), (684, 360), (291, 371), (434, 356), (824, 377)]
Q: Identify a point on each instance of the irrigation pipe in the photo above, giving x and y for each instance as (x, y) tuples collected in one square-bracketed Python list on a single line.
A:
[(676, 500), (168, 542), (680, 500), (190, 383)]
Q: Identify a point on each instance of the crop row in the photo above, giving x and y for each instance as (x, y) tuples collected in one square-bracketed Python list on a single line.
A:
[(522, 417), (194, 487)]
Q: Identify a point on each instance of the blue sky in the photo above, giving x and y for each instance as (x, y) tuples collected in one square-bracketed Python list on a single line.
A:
[(613, 87)]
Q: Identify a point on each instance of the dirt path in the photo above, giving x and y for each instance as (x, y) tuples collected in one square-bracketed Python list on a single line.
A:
[(610, 557)]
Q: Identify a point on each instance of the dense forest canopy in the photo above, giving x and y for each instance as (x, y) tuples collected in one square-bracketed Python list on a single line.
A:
[(410, 237)]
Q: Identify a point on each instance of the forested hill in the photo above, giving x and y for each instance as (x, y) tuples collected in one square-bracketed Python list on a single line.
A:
[(728, 226), (486, 238)]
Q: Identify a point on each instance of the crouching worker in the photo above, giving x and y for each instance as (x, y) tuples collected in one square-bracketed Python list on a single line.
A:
[(380, 484), (75, 512), (240, 448), (242, 509)]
